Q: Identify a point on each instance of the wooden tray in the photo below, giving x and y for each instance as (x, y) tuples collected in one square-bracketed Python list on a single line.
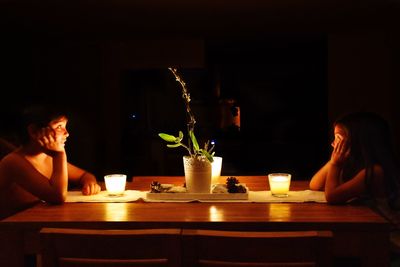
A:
[(197, 196)]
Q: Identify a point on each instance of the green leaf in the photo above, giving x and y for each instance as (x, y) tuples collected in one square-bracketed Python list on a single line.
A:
[(194, 141), (180, 135), (167, 137), (173, 145), (207, 155)]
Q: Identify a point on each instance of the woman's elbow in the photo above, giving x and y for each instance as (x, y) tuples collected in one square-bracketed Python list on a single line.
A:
[(315, 186), (333, 199), (58, 199)]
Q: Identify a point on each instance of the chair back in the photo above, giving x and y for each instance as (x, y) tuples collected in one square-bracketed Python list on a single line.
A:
[(214, 248), (5, 147), (106, 248)]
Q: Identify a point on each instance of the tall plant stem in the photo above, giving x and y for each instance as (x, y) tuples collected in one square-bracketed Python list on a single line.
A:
[(186, 98)]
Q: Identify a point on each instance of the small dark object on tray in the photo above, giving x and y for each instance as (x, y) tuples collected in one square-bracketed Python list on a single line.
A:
[(233, 185), (155, 187)]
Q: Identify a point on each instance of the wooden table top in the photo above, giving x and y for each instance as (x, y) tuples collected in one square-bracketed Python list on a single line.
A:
[(260, 216)]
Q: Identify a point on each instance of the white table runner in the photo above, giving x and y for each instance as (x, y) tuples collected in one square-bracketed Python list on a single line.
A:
[(254, 196)]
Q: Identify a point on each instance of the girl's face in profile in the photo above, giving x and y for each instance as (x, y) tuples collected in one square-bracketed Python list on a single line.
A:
[(59, 126), (341, 134)]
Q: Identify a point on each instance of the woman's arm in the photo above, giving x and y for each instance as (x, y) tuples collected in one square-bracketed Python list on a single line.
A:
[(337, 192), (59, 176), (86, 180), (318, 180)]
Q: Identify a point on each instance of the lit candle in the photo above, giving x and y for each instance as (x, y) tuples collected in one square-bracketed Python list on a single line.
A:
[(115, 184), (279, 184), (216, 166)]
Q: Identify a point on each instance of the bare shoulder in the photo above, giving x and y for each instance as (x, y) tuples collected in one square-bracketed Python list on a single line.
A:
[(11, 158), (7, 165), (5, 147), (12, 162)]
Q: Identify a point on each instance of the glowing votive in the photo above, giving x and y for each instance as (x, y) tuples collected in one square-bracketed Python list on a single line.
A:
[(115, 184), (279, 184), (216, 166)]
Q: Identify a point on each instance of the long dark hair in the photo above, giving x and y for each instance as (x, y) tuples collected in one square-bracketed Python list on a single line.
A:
[(370, 143)]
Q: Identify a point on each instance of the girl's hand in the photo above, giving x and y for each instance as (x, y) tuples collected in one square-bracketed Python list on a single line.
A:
[(340, 152), (90, 188), (48, 139)]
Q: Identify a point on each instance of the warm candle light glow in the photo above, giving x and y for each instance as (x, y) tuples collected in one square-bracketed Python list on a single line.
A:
[(215, 214), (279, 213), (115, 184), (279, 184), (216, 166), (116, 211)]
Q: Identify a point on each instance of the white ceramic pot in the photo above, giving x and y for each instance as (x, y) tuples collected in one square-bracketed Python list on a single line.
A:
[(197, 175)]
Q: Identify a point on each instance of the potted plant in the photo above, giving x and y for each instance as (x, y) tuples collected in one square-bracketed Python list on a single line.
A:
[(197, 164)]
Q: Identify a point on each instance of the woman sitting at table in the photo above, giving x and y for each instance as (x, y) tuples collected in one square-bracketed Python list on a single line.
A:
[(38, 169), (362, 166)]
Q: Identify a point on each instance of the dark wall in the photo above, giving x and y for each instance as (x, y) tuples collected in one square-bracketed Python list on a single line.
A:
[(278, 82), (275, 81)]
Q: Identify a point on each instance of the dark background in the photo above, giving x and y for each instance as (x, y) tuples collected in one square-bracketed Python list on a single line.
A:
[(291, 68), (279, 84)]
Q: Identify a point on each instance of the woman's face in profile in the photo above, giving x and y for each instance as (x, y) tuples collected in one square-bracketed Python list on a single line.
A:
[(60, 128), (341, 134)]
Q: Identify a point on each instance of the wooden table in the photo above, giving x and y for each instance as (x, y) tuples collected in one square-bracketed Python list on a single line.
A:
[(358, 231)]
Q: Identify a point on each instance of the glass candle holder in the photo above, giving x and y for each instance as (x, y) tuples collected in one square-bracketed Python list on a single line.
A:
[(279, 184), (216, 166), (115, 184)]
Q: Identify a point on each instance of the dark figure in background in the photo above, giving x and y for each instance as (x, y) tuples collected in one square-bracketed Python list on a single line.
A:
[(38, 169)]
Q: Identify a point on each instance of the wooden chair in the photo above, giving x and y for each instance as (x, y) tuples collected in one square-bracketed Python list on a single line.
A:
[(101, 248), (233, 248), (5, 147)]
